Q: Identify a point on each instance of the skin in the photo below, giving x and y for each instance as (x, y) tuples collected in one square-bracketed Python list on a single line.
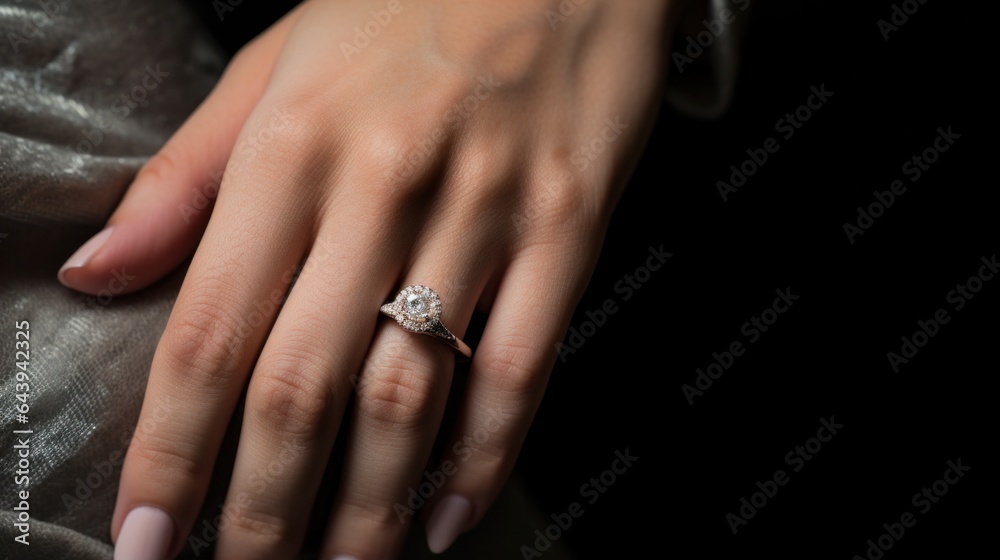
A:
[(361, 168)]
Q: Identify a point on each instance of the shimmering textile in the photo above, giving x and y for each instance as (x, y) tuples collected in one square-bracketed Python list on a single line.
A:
[(89, 89)]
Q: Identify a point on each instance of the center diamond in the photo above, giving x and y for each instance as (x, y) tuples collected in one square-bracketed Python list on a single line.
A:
[(417, 307)]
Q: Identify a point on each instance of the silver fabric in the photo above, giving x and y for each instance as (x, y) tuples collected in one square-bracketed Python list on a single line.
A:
[(69, 145)]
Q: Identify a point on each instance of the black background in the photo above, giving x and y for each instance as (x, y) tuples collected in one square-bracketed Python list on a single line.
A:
[(826, 356)]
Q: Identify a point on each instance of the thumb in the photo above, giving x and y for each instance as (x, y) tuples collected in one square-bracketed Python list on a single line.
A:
[(166, 208)]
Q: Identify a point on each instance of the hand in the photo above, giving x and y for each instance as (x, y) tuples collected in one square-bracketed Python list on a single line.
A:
[(475, 147)]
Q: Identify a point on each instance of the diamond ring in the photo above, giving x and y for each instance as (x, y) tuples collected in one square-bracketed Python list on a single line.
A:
[(418, 310)]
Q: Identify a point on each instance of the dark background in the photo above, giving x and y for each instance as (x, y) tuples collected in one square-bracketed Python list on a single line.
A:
[(826, 356)]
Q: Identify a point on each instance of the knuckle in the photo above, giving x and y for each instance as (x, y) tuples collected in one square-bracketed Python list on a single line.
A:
[(164, 460), (395, 392), (394, 161), (562, 202), (290, 398), (266, 530), (292, 128), (493, 459), (378, 515), (205, 343), (557, 201), (512, 368), (163, 167)]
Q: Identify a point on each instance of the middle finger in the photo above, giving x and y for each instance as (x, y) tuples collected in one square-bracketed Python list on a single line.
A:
[(300, 387)]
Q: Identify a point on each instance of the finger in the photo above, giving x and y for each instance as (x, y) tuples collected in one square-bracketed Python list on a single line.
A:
[(505, 386), (297, 394), (300, 388), (213, 335), (401, 395), (160, 220)]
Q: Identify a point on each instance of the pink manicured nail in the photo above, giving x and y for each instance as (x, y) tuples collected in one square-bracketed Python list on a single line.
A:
[(145, 535), (85, 252), (447, 522)]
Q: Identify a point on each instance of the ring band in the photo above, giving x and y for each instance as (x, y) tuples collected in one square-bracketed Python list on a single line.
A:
[(417, 309)]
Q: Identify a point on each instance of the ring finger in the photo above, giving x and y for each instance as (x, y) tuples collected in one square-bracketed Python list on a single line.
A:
[(401, 395)]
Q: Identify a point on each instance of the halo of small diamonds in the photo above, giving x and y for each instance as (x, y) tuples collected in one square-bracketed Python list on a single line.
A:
[(417, 308)]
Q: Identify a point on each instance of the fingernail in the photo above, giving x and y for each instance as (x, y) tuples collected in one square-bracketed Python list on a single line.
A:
[(83, 255), (447, 522), (145, 535)]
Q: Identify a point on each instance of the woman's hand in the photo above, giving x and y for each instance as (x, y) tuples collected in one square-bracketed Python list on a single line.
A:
[(474, 147)]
